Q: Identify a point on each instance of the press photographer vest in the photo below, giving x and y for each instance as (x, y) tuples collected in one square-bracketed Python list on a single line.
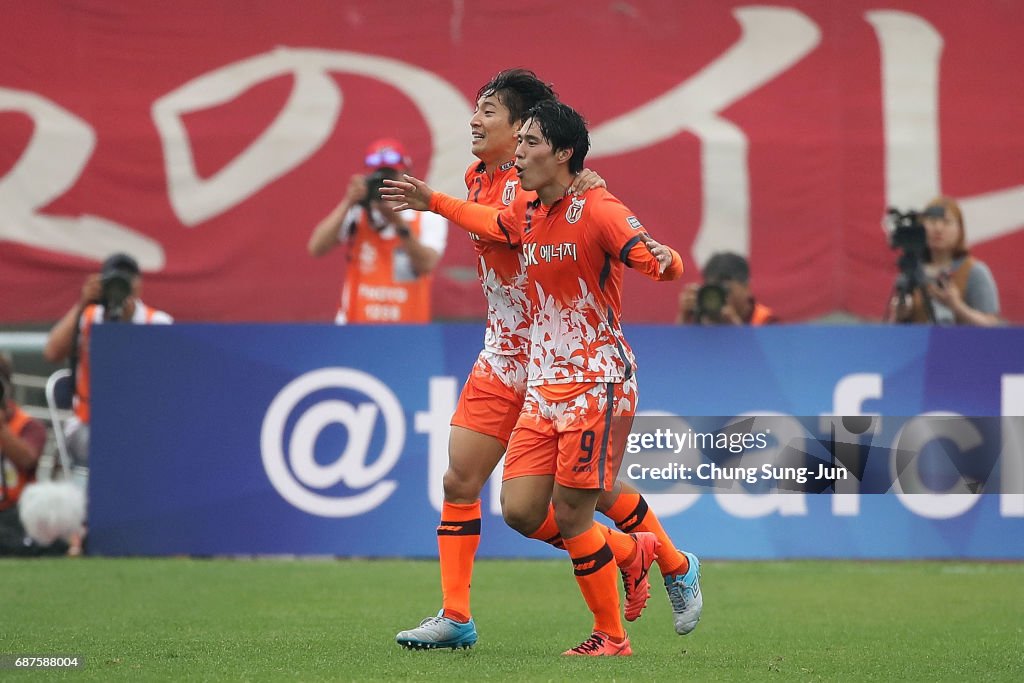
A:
[(959, 277), (14, 479), (380, 285), (93, 314)]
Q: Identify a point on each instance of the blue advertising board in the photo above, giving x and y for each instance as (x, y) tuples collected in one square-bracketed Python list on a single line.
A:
[(324, 440)]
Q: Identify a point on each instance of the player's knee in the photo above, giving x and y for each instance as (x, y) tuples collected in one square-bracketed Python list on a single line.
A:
[(521, 517), (572, 520), (458, 487)]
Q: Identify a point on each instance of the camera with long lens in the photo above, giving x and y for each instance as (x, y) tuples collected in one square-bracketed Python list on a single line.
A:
[(374, 183), (908, 235), (116, 287), (711, 299)]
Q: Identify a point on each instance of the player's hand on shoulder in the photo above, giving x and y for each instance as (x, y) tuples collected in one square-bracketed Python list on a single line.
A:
[(586, 179)]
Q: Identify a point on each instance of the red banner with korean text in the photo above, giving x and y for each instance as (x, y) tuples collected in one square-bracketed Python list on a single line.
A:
[(208, 139)]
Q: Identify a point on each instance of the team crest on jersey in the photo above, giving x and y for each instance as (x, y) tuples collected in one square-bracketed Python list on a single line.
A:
[(575, 210), (509, 192), (634, 223)]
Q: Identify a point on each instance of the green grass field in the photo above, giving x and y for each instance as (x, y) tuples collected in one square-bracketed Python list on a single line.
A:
[(177, 619)]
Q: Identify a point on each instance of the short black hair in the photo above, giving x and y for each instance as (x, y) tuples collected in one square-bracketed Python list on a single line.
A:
[(120, 262), (519, 90), (564, 128), (726, 265)]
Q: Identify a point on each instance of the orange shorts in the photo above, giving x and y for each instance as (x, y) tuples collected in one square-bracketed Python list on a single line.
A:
[(492, 397), (579, 440)]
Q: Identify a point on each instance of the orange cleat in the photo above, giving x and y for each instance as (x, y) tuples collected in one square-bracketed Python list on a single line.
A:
[(634, 577), (600, 645)]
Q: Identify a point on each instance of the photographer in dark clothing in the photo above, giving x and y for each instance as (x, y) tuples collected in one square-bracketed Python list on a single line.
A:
[(725, 297), (110, 296), (22, 439)]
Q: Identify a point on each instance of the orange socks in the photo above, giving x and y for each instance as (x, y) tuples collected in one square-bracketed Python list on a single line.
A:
[(548, 530), (630, 513), (622, 545), (596, 573), (458, 537)]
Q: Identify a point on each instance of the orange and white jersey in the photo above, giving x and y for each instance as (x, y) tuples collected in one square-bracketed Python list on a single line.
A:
[(575, 252), (94, 315), (500, 265), (380, 284)]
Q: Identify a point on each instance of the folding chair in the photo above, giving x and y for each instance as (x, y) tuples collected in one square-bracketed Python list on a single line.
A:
[(59, 394)]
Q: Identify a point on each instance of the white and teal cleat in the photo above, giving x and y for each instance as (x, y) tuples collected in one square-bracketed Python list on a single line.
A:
[(438, 632), (684, 594)]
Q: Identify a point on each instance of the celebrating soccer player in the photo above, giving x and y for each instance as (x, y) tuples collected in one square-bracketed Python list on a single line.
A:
[(580, 369), (493, 395)]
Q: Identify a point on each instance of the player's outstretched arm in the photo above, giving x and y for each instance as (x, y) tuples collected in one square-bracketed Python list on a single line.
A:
[(483, 221), (408, 193)]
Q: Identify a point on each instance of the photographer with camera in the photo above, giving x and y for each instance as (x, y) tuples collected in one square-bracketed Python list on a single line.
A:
[(21, 444), (391, 255), (110, 296), (939, 281), (725, 297)]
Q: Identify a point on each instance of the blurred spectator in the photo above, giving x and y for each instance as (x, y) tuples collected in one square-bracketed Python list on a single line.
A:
[(110, 296), (21, 444), (958, 289), (391, 255), (725, 297)]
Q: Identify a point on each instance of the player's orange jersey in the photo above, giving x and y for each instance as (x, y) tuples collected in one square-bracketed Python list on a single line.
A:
[(500, 265), (575, 252)]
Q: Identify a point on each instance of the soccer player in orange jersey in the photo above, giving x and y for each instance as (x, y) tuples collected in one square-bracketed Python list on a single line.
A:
[(493, 395), (581, 388)]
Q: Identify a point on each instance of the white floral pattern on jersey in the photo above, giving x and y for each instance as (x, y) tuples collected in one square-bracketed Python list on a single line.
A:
[(564, 414), (506, 369), (565, 347), (508, 309)]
